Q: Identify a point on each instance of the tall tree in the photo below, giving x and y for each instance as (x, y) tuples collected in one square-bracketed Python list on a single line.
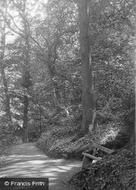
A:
[(24, 34), (26, 78), (87, 95), (2, 58)]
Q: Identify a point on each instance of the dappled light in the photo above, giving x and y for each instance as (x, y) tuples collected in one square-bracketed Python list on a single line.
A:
[(67, 97), (36, 164)]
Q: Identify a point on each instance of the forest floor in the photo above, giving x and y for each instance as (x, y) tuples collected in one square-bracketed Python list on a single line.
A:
[(26, 160)]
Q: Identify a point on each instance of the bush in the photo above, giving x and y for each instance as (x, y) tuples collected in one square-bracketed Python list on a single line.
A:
[(56, 141)]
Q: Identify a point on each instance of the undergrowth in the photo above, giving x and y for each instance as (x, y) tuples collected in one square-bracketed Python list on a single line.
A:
[(112, 172), (62, 141)]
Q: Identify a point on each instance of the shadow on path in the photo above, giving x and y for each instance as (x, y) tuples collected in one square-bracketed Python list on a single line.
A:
[(27, 160)]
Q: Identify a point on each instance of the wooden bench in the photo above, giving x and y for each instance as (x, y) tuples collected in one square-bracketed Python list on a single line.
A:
[(87, 157), (102, 148)]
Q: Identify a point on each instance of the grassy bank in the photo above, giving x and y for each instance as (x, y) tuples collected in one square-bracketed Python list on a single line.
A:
[(62, 141)]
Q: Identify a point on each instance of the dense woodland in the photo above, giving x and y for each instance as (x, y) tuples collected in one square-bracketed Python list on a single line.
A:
[(67, 74)]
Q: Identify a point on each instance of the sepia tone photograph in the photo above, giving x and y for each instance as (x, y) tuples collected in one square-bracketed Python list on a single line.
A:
[(67, 94)]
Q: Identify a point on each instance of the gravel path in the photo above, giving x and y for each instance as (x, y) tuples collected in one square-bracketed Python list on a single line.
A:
[(26, 160)]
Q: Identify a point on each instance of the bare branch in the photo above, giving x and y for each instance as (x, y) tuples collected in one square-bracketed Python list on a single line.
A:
[(8, 24), (14, 22)]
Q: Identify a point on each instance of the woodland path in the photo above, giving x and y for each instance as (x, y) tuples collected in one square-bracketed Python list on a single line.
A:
[(26, 160)]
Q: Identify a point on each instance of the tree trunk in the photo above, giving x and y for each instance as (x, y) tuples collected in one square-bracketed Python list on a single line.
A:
[(7, 98), (26, 78), (87, 95), (2, 70), (25, 119)]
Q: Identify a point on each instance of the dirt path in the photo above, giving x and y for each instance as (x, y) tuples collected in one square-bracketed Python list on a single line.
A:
[(27, 160)]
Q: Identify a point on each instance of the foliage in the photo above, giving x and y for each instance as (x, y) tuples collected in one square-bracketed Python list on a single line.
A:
[(63, 141), (53, 81), (40, 62), (6, 136), (56, 141), (113, 172)]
